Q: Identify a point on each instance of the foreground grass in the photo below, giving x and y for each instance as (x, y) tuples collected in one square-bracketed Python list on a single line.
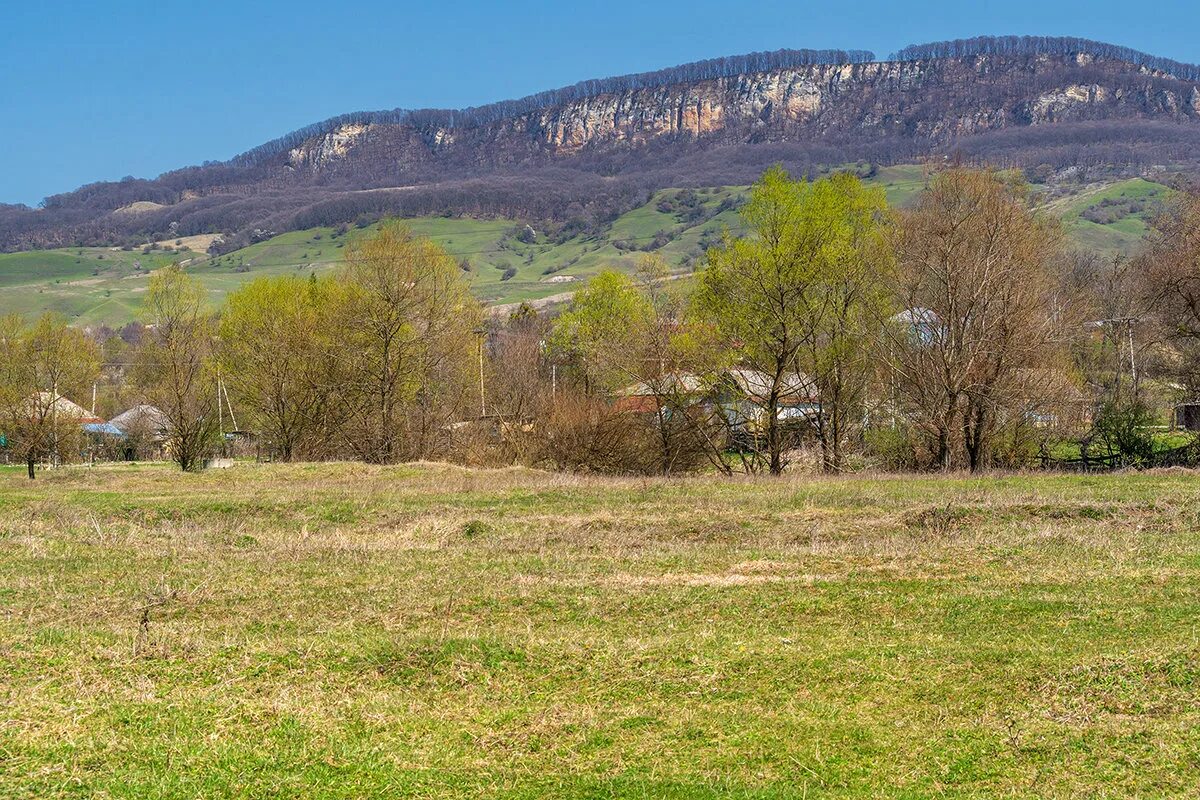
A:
[(352, 631)]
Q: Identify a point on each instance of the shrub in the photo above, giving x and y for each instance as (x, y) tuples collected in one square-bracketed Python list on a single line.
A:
[(586, 434), (1123, 433), (890, 448)]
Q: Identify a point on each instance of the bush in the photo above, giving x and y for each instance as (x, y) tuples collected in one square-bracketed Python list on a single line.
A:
[(890, 448), (1123, 433), (586, 434)]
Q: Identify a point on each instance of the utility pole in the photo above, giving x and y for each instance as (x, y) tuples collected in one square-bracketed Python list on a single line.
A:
[(220, 410), (54, 422), (482, 334), (1133, 374), (1127, 323)]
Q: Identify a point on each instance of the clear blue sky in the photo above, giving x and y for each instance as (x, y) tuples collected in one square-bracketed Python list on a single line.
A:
[(99, 90)]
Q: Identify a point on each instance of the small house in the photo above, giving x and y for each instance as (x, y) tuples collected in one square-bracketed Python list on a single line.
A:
[(145, 429)]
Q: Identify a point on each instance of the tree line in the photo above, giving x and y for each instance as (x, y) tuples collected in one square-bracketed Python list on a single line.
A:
[(1025, 46), (958, 333)]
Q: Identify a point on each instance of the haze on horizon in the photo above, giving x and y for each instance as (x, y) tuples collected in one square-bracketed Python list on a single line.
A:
[(139, 88)]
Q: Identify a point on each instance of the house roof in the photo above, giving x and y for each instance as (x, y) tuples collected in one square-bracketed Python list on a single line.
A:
[(683, 382), (144, 416), (795, 386), (106, 428), (756, 384), (63, 407)]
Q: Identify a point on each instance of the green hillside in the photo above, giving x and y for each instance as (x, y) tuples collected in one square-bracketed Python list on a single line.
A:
[(507, 262), (1112, 218)]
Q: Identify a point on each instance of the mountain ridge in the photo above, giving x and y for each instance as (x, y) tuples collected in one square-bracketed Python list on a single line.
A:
[(597, 148)]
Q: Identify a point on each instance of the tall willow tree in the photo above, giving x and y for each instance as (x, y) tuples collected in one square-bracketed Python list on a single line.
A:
[(848, 305), (801, 295), (273, 340)]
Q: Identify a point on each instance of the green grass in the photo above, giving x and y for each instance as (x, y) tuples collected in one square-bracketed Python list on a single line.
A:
[(99, 285), (351, 631), (902, 183), (86, 284), (1121, 236)]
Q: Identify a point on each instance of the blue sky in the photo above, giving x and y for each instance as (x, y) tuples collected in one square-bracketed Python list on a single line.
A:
[(98, 90)]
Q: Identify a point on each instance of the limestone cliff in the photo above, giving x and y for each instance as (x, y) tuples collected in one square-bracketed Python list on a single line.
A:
[(936, 101)]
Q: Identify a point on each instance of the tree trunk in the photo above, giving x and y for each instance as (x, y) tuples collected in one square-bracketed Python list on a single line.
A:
[(774, 439), (30, 466), (943, 448), (974, 436)]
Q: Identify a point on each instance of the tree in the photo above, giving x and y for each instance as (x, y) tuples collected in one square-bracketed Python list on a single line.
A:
[(39, 365), (1113, 296), (780, 294), (272, 331), (602, 330), (517, 387), (1170, 283), (847, 306), (985, 326), (632, 334), (405, 344), (174, 364)]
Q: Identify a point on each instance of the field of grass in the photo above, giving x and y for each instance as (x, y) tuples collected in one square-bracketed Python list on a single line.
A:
[(86, 284), (356, 631), (102, 285), (1125, 232), (99, 285)]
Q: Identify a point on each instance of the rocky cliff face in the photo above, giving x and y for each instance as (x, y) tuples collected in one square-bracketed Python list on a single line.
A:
[(933, 101)]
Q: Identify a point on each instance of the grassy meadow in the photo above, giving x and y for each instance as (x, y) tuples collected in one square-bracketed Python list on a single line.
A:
[(344, 630), (94, 285)]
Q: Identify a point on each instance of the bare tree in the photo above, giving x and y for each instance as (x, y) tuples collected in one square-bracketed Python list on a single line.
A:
[(174, 364), (1169, 274), (977, 277)]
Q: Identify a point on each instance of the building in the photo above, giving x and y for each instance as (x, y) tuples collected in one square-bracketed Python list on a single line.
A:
[(146, 431), (741, 395)]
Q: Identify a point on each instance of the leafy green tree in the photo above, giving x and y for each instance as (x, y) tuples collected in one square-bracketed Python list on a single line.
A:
[(794, 298), (848, 305), (603, 330), (272, 331), (633, 334), (39, 366)]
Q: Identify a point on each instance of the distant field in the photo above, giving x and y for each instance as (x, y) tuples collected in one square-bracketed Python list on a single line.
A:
[(102, 285), (1130, 220), (343, 630)]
